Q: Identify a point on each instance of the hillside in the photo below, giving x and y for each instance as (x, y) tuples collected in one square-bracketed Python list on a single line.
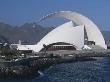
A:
[(28, 33), (106, 35)]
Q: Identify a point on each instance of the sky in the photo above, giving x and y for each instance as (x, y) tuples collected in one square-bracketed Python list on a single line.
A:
[(18, 12)]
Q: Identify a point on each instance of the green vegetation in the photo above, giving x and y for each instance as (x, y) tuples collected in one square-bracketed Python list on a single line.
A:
[(8, 54)]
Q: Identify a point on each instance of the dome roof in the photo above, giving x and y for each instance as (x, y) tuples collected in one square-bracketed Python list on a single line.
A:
[(64, 33)]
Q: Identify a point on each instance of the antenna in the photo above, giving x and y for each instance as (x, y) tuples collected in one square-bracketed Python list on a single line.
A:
[(19, 42)]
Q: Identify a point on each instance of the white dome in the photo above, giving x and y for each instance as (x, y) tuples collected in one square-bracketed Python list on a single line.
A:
[(64, 33)]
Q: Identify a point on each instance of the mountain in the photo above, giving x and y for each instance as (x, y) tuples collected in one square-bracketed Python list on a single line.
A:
[(3, 39), (29, 33), (33, 32), (106, 35)]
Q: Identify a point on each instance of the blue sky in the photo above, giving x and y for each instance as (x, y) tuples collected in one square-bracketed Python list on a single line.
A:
[(18, 12)]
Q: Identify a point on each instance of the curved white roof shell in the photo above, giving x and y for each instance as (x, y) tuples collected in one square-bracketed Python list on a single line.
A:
[(92, 30), (64, 33)]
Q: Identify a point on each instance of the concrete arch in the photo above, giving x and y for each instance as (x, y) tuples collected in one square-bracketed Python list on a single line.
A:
[(66, 33), (92, 30)]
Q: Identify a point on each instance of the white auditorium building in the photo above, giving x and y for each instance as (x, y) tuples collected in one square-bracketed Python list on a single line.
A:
[(77, 34)]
